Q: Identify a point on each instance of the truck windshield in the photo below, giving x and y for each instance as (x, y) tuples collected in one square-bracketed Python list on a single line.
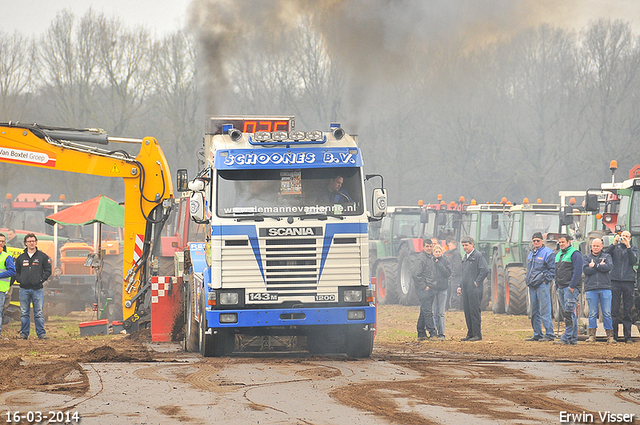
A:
[(289, 192)]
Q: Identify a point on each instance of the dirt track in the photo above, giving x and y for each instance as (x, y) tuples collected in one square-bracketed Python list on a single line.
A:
[(502, 379)]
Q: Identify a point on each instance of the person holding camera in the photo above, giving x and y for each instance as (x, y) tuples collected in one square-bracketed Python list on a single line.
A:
[(624, 256)]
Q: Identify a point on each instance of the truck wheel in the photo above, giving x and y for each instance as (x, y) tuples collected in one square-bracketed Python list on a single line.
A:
[(359, 343), (386, 283), (515, 295), (407, 292), (497, 285), (190, 339), (206, 343)]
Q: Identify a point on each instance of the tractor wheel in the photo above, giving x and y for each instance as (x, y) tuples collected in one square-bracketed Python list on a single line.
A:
[(557, 313), (497, 285), (515, 295), (112, 284), (407, 291), (485, 302), (387, 283)]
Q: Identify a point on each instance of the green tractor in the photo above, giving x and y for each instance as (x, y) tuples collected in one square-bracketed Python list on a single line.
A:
[(397, 240), (391, 242), (509, 292), (488, 225)]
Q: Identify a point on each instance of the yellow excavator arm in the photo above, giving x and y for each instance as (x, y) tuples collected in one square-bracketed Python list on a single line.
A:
[(147, 182)]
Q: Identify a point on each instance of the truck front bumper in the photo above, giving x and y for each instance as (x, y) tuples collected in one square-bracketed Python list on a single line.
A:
[(290, 317)]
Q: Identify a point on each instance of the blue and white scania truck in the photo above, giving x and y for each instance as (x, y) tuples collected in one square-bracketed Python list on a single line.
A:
[(286, 249)]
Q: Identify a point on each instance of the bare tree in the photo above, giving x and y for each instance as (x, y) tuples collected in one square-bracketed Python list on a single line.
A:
[(16, 74), (125, 64)]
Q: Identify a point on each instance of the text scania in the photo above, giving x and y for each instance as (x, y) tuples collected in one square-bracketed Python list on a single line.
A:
[(291, 231)]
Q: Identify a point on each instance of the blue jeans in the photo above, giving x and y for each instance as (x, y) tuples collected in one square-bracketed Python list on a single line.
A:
[(28, 297), (568, 302), (602, 296), (425, 319), (541, 310), (439, 307), (2, 298)]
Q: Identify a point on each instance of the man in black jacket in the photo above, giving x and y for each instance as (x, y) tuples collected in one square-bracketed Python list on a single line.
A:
[(474, 272), (33, 268), (623, 278), (424, 279)]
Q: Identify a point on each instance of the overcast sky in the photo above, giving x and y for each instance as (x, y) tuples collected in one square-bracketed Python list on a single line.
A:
[(33, 17)]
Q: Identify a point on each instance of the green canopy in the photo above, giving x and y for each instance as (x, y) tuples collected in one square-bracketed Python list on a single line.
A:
[(100, 209)]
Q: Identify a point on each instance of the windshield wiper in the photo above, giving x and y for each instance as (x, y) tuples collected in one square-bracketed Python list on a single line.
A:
[(320, 216), (257, 217)]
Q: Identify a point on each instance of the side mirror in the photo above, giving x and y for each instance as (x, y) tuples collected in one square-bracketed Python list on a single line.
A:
[(424, 216), (182, 180), (494, 221), (196, 207), (379, 203), (591, 203), (566, 216)]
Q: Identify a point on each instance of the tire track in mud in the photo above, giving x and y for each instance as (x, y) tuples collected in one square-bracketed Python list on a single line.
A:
[(481, 389)]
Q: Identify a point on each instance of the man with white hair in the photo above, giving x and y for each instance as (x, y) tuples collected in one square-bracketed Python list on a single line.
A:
[(597, 288)]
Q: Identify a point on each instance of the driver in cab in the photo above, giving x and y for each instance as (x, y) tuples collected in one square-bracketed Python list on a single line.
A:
[(334, 194)]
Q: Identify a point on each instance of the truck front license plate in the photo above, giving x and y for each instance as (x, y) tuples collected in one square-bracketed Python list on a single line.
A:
[(262, 296)]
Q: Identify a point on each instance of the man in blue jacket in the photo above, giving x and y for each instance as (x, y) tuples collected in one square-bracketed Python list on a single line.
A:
[(623, 278), (541, 270), (597, 288)]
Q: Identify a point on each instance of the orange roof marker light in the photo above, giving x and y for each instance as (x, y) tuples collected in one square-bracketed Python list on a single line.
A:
[(420, 202), (503, 200), (539, 200), (525, 201), (62, 197), (439, 196), (473, 202), (442, 202), (8, 196), (613, 165), (452, 204), (572, 201), (461, 199)]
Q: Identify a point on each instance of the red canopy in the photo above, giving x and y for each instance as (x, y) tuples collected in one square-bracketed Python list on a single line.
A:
[(100, 209)]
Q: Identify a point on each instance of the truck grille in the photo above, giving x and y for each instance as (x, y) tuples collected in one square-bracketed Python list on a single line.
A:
[(291, 265)]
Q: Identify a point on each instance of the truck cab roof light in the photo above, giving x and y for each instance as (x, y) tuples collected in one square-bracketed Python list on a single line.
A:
[(296, 135), (315, 135), (279, 135), (261, 136)]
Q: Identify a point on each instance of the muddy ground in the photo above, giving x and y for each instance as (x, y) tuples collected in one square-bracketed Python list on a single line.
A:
[(498, 365)]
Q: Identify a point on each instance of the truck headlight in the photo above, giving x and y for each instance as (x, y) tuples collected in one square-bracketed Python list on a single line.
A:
[(352, 296), (228, 298)]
